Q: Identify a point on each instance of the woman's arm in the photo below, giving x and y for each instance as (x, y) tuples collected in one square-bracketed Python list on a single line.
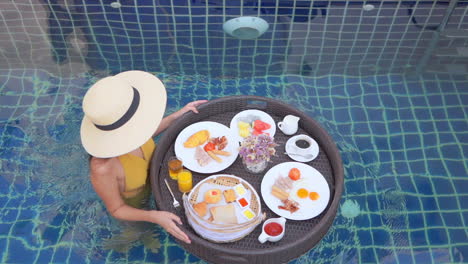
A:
[(167, 121), (106, 186)]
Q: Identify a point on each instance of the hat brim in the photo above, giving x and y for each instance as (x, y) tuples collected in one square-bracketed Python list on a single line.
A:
[(140, 128)]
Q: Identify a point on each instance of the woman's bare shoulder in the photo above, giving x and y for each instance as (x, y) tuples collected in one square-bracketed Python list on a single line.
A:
[(100, 167)]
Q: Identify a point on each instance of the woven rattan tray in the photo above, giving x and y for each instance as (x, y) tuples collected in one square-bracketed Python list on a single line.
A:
[(300, 236)]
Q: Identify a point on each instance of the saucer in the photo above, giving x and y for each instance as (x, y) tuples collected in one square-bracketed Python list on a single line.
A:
[(312, 150)]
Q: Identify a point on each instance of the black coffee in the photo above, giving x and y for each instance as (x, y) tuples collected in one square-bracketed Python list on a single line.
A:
[(302, 144)]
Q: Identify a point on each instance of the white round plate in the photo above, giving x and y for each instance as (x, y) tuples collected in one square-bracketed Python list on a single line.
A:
[(264, 117), (187, 155), (310, 153), (311, 179)]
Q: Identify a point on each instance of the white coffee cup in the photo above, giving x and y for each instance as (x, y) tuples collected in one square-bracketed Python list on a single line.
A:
[(272, 238), (289, 125)]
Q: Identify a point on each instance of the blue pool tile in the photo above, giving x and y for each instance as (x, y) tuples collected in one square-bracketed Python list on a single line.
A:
[(422, 114), (365, 237), (376, 219), (412, 141), (452, 219), (375, 114), (459, 253), (435, 100), (413, 202), (433, 219), (176, 254), (423, 184), (429, 203), (137, 253), (451, 151), (23, 229), (457, 236), (443, 186), (355, 187), (9, 215), (406, 114), (461, 185), (45, 255), (399, 156), (407, 184), (410, 126), (391, 115), (368, 256), (448, 139), (416, 220), (51, 235), (381, 237), (372, 203), (5, 229), (378, 128), (436, 167), (437, 236), (455, 113), (19, 253), (418, 238), (61, 255), (385, 253)]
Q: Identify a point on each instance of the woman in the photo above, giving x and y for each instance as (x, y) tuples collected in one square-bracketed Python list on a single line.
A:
[(122, 114)]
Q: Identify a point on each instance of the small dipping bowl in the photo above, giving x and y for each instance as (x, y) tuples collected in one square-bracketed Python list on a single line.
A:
[(272, 230)]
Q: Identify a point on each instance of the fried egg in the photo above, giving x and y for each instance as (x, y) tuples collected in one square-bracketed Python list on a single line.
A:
[(301, 189)]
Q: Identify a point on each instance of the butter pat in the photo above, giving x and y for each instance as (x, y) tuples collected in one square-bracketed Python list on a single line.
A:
[(249, 214), (240, 189)]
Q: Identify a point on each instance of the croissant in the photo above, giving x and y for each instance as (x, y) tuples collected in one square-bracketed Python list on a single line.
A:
[(197, 139)]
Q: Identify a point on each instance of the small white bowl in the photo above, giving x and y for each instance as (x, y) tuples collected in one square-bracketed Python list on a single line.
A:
[(245, 27)]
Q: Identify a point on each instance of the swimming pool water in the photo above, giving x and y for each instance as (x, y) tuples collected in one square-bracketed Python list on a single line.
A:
[(403, 140), (389, 84)]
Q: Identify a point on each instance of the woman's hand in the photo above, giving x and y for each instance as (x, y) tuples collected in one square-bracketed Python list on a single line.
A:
[(168, 222), (167, 121), (192, 106)]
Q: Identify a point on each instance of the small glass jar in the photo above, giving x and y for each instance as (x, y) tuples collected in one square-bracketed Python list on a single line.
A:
[(175, 166), (184, 181), (255, 167)]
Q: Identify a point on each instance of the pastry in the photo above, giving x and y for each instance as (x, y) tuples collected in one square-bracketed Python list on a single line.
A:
[(229, 195), (224, 214), (197, 139), (201, 208), (213, 196)]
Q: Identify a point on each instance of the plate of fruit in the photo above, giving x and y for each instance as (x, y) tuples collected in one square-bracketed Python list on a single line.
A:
[(252, 122)]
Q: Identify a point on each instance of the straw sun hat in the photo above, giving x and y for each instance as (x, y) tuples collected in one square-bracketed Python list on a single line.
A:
[(121, 113)]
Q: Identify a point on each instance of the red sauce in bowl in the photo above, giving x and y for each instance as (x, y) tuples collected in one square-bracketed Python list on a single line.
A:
[(273, 229)]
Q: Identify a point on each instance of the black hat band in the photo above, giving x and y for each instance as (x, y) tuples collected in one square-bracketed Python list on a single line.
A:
[(127, 116)]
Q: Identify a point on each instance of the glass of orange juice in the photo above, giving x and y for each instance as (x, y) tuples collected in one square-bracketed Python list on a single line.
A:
[(175, 166), (184, 180)]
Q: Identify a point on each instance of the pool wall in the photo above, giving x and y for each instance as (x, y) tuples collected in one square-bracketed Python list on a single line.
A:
[(304, 37)]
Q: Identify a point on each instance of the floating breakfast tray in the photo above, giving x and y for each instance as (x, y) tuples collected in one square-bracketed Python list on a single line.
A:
[(300, 236)]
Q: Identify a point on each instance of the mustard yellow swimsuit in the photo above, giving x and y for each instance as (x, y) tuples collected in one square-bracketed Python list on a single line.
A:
[(137, 187)]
